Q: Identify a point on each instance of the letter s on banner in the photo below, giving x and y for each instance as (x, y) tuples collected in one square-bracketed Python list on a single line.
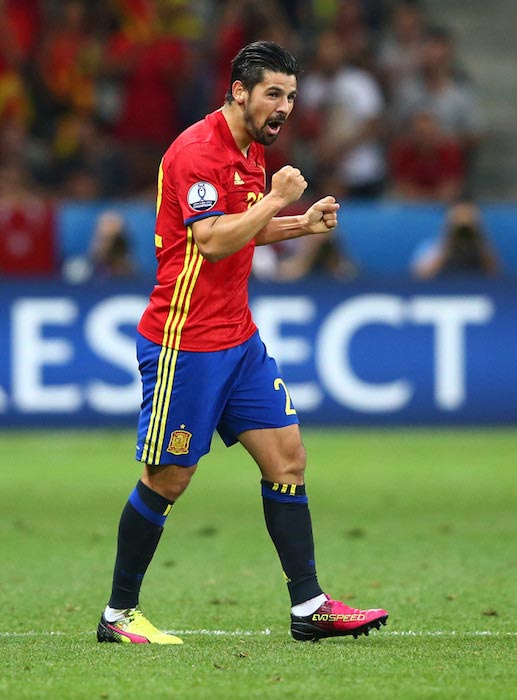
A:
[(104, 337), (332, 355)]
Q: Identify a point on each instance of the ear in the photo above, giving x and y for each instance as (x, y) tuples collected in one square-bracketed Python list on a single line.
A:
[(238, 92)]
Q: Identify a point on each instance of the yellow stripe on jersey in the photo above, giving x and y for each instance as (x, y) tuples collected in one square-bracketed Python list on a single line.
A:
[(160, 187), (158, 241), (178, 312), (180, 302), (176, 341)]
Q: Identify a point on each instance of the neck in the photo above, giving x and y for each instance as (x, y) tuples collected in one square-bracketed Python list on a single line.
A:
[(232, 112)]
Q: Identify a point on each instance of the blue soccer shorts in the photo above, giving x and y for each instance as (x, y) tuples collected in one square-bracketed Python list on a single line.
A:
[(189, 395)]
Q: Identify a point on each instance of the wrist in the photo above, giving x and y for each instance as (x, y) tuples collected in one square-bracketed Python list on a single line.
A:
[(304, 223), (276, 201)]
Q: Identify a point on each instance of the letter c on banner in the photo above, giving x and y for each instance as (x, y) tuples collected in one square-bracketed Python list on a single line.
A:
[(332, 355)]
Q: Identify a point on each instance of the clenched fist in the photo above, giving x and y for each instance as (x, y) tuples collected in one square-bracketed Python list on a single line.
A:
[(288, 184), (322, 216)]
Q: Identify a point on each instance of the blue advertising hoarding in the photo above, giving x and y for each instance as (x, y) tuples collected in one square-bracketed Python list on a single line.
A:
[(351, 354), (380, 237)]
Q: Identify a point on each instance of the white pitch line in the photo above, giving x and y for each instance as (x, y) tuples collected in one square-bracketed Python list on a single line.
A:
[(390, 633), (448, 633), (35, 634), (267, 632), (222, 633)]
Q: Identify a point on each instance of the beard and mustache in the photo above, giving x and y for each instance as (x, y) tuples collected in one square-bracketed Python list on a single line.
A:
[(261, 133)]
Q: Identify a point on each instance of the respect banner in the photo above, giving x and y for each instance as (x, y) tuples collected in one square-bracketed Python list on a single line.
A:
[(398, 353)]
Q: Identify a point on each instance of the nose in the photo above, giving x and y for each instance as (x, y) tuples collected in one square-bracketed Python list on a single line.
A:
[(284, 106)]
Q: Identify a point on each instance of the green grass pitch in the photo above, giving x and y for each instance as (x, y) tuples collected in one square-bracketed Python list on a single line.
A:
[(420, 522)]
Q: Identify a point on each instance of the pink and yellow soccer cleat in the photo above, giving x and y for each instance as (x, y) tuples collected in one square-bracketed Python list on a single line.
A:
[(335, 619), (133, 628)]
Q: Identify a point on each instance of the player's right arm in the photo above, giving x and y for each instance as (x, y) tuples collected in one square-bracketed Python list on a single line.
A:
[(218, 237)]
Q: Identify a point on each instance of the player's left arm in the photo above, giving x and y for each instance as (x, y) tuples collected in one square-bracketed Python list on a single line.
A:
[(321, 217)]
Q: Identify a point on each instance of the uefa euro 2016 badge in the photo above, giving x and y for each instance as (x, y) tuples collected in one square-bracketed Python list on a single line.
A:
[(202, 196), (179, 443)]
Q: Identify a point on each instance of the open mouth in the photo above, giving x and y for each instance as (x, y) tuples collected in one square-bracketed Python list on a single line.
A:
[(274, 126)]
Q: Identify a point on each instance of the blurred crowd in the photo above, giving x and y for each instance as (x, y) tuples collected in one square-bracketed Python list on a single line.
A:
[(93, 91)]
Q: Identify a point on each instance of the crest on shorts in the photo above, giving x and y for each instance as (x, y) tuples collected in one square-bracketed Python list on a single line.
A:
[(179, 443), (202, 196)]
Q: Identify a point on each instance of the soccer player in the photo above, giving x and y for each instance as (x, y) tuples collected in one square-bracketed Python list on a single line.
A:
[(203, 364)]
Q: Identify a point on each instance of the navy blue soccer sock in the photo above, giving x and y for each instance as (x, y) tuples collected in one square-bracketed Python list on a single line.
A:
[(140, 528), (288, 521)]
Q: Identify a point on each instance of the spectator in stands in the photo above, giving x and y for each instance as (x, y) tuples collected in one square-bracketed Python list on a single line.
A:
[(109, 255), (439, 90), (17, 145), (400, 51), (463, 249), (151, 69), (348, 16), (62, 81), (350, 24), (69, 57), (19, 27), (426, 164), (341, 113), (110, 249), (83, 152)]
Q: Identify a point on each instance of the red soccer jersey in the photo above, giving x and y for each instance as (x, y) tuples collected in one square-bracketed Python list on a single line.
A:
[(198, 305)]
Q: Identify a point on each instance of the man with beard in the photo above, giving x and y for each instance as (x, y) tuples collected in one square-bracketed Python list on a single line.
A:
[(203, 364)]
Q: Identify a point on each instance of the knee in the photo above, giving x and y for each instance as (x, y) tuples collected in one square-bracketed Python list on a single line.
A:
[(170, 482), (298, 463), (290, 467)]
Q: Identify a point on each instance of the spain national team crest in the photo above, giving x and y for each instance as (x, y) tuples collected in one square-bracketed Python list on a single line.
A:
[(179, 443)]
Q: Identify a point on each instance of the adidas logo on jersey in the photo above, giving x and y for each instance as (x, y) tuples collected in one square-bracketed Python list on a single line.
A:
[(237, 179)]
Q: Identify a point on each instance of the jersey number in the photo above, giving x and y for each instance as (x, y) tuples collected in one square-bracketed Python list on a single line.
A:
[(289, 409), (252, 198)]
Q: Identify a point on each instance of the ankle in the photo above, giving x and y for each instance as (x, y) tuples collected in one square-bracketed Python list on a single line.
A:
[(114, 614), (309, 606)]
